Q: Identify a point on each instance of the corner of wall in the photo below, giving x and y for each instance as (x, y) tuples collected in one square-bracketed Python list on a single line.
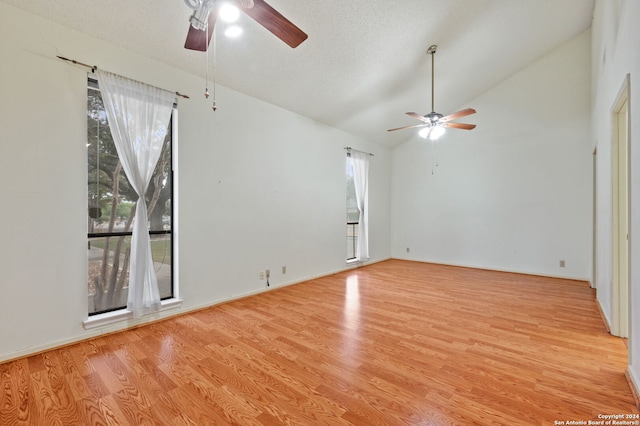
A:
[(603, 313), (634, 384)]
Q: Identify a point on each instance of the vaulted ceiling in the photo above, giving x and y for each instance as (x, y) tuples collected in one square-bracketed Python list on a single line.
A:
[(364, 64)]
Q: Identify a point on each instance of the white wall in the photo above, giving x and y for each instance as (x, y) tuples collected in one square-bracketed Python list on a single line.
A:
[(515, 193), (615, 54), (254, 194)]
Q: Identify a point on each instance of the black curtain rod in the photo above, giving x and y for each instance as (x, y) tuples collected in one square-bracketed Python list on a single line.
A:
[(348, 148), (93, 68)]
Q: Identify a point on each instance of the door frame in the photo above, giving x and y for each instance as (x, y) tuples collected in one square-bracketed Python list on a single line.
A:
[(594, 241), (620, 196)]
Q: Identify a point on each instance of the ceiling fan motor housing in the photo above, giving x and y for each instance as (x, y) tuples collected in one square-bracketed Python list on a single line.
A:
[(200, 15), (434, 117)]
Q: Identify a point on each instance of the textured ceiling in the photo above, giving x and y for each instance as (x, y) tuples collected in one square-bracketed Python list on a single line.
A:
[(364, 64)]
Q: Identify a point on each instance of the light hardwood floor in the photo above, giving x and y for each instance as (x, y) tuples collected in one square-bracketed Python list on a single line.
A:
[(392, 343)]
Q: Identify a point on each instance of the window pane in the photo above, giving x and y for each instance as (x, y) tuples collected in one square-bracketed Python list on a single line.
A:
[(353, 214), (109, 265), (161, 253), (108, 273), (111, 197), (352, 238), (160, 189)]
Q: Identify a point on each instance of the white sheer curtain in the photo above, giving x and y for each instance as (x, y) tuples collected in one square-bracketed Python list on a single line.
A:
[(138, 117), (360, 161)]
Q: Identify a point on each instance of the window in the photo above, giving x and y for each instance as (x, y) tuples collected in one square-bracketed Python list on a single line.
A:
[(353, 213), (357, 205), (111, 203)]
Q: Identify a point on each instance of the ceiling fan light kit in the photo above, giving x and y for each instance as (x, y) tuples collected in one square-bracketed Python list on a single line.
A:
[(434, 124), (203, 20), (206, 12), (229, 13), (233, 31), (431, 132)]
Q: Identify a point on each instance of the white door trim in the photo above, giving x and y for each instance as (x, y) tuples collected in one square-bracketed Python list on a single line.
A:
[(620, 186)]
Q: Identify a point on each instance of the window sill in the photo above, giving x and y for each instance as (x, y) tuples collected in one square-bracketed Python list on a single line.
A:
[(357, 262), (109, 318)]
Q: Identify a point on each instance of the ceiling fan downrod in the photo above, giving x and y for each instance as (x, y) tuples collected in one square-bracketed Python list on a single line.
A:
[(432, 51)]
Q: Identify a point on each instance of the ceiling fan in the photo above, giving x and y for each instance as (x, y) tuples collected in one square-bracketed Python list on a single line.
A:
[(433, 124), (205, 13)]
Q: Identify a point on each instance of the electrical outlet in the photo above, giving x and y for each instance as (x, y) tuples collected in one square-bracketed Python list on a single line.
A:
[(562, 263), (408, 249), (261, 275), (268, 273), (284, 270)]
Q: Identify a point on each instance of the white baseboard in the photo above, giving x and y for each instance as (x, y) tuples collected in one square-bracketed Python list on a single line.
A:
[(605, 317), (93, 331), (487, 268), (634, 382), (126, 322), (348, 266)]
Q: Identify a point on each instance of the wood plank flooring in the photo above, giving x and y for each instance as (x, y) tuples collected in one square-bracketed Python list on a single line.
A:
[(394, 343)]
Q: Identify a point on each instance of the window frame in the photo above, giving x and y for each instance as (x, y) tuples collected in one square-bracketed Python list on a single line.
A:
[(354, 229), (108, 316)]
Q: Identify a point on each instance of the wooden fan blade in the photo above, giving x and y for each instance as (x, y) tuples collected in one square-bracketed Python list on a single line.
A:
[(418, 116), (199, 39), (459, 114), (277, 24), (408, 127), (459, 126)]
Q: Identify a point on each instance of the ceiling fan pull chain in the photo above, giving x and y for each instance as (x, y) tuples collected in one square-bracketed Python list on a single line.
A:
[(206, 65), (214, 107), (433, 155)]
